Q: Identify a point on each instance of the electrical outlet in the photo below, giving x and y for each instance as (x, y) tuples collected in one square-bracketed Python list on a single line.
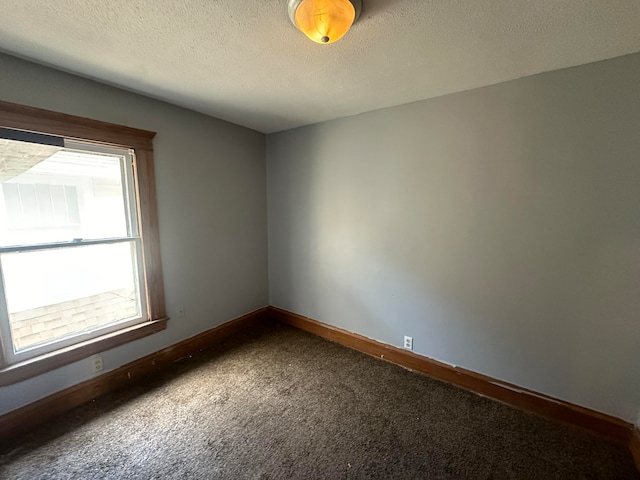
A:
[(408, 343), (180, 310), (96, 363)]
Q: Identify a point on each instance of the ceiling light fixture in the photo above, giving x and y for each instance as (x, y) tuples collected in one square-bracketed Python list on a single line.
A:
[(324, 21)]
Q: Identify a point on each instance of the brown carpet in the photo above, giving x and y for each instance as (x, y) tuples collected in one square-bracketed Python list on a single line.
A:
[(280, 403)]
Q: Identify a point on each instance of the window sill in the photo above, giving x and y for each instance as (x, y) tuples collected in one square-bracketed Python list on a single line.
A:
[(35, 366)]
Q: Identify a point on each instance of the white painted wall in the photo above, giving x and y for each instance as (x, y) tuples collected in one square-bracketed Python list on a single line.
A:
[(499, 227), (211, 183)]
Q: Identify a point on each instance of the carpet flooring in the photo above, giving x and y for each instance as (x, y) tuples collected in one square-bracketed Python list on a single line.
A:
[(281, 403)]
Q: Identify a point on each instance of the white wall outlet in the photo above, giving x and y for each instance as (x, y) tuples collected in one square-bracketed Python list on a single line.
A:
[(180, 310), (96, 364), (408, 343)]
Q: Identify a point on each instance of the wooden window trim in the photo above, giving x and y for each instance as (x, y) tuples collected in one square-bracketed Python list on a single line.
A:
[(141, 141)]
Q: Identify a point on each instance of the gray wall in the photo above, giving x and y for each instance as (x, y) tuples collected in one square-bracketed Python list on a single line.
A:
[(499, 227), (211, 182)]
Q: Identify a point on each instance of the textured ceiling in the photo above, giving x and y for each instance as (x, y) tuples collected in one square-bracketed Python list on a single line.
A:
[(241, 60)]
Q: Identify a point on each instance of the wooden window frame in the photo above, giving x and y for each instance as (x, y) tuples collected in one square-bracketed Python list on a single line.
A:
[(71, 127)]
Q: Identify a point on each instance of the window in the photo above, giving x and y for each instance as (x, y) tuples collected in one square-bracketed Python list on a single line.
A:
[(79, 259)]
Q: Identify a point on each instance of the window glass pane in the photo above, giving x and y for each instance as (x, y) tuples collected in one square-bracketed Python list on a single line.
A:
[(68, 195), (73, 211), (45, 209), (59, 205), (27, 194), (12, 204), (59, 293)]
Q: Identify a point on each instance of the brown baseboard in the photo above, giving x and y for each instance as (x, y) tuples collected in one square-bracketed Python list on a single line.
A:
[(604, 426), (27, 417), (634, 446)]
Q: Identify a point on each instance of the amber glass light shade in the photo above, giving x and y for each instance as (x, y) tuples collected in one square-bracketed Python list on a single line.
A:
[(325, 21)]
